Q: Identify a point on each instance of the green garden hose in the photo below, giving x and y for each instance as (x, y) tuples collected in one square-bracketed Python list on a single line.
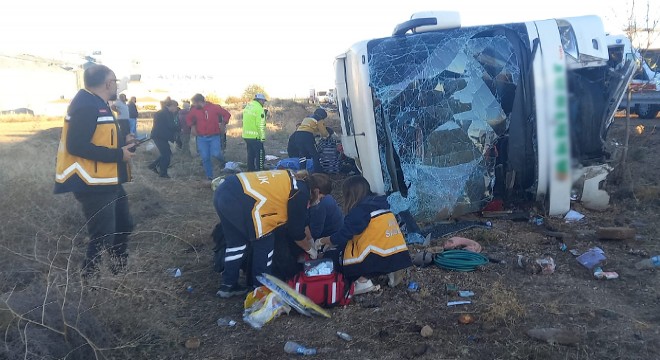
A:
[(460, 260)]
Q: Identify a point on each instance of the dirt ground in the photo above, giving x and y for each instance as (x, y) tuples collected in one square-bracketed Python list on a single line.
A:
[(150, 315)]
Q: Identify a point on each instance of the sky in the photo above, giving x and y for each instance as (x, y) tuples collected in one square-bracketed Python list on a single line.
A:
[(286, 46)]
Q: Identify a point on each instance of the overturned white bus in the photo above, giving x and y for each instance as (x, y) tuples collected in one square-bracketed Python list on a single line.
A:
[(445, 118)]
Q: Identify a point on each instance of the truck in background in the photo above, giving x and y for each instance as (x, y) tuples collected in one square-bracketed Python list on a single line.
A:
[(645, 85), (445, 118)]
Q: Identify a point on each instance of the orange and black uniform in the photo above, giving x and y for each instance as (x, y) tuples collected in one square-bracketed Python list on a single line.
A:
[(90, 164), (371, 240), (251, 206)]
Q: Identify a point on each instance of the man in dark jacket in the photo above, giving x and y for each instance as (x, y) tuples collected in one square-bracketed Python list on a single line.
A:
[(163, 131), (93, 163)]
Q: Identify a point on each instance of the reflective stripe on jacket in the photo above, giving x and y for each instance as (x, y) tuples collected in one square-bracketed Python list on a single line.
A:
[(89, 171), (382, 237), (271, 191), (254, 121)]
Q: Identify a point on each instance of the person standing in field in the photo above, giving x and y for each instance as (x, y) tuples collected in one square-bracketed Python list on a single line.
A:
[(121, 108), (254, 132), (133, 114), (164, 130), (184, 129), (207, 122), (93, 162)]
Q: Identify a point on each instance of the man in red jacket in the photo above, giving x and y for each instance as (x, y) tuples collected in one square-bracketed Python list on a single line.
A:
[(208, 122)]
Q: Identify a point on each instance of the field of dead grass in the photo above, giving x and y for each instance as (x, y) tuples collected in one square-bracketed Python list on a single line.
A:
[(46, 311)]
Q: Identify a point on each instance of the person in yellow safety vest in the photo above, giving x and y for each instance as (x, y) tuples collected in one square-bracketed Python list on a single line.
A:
[(92, 163), (251, 206), (254, 132), (302, 143), (370, 239)]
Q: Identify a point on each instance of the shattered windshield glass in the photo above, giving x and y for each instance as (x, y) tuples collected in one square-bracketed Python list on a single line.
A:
[(442, 101)]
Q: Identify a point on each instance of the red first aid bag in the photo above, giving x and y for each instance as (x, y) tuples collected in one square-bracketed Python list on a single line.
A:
[(327, 290)]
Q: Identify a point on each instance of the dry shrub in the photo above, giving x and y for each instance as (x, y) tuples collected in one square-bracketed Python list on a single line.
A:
[(502, 305), (46, 310)]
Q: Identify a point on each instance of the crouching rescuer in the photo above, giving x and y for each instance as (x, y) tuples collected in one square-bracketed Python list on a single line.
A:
[(251, 206)]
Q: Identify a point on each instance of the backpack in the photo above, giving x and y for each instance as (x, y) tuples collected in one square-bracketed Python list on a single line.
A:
[(325, 290)]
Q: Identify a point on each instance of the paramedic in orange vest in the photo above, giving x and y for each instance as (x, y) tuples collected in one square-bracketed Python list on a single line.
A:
[(92, 163), (251, 205), (370, 239), (302, 143)]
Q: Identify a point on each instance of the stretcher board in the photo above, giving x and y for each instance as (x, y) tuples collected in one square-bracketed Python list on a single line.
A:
[(298, 301)]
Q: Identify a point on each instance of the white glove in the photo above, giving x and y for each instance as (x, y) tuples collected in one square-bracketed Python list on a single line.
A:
[(313, 254)]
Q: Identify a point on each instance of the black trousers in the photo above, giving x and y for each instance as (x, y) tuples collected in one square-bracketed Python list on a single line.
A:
[(165, 157), (303, 146), (109, 223), (241, 248), (256, 155)]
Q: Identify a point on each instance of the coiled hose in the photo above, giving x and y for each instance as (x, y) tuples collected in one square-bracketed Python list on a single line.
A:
[(460, 260)]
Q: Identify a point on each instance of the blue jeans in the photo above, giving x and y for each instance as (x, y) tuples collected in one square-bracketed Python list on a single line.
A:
[(209, 146), (133, 126)]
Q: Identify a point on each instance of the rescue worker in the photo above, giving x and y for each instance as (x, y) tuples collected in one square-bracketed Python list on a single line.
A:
[(370, 242), (254, 132), (251, 206), (302, 143), (93, 162)]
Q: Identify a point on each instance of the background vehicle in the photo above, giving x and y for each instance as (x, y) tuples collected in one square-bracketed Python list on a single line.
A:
[(645, 86), (445, 118)]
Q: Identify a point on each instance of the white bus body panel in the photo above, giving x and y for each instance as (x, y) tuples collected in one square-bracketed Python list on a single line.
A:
[(356, 93), (552, 118)]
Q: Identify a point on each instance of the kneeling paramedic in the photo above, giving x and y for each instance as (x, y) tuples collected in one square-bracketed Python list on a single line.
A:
[(251, 205)]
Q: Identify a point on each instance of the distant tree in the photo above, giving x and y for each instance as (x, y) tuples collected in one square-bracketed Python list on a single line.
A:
[(250, 91), (641, 25), (233, 100), (213, 98)]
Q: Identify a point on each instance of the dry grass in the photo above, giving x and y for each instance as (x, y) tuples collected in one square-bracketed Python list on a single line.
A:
[(45, 308), (502, 305)]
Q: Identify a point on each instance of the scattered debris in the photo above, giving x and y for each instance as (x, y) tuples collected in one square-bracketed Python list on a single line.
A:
[(224, 321), (271, 157), (344, 336), (554, 336), (544, 265), (423, 258), (426, 331), (638, 252), (608, 275), (460, 302), (462, 243), (465, 319), (651, 263), (465, 293), (174, 272), (616, 233), (413, 286), (573, 216), (592, 258)]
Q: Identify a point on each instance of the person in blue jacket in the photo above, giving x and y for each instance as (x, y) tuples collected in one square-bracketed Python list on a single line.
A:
[(325, 217), (370, 242)]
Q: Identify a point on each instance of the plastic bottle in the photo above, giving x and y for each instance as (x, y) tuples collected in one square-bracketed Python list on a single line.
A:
[(226, 322), (344, 336), (651, 263), (294, 348)]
